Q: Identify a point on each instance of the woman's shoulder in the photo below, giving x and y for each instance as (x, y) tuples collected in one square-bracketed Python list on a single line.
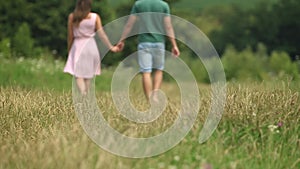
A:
[(71, 15), (94, 14)]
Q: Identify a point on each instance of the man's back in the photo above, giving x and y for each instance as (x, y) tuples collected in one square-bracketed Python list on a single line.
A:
[(151, 23), (151, 6)]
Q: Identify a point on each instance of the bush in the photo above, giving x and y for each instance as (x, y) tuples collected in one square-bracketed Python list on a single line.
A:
[(243, 65), (5, 48), (281, 65), (22, 42), (258, 65)]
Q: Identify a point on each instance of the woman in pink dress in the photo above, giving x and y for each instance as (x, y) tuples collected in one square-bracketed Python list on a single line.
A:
[(84, 58)]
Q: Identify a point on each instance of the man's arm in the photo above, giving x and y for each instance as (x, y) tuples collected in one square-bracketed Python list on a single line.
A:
[(127, 29), (171, 35)]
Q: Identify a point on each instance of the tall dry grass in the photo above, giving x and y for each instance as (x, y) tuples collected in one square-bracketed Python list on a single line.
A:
[(259, 129)]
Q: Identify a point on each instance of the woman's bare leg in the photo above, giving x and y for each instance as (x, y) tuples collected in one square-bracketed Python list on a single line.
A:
[(87, 85), (81, 85)]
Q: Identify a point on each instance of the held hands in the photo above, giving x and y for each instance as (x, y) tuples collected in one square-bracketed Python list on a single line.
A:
[(115, 49), (121, 45), (118, 48)]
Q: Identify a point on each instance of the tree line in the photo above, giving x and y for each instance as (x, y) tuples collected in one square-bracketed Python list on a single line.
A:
[(276, 25), (32, 26)]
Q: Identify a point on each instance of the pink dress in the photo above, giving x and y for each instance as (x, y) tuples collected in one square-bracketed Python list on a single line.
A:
[(84, 57)]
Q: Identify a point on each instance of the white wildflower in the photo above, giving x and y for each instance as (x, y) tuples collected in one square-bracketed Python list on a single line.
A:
[(176, 158), (272, 128)]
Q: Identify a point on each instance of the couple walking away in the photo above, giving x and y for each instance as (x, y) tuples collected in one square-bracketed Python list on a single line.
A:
[(83, 55)]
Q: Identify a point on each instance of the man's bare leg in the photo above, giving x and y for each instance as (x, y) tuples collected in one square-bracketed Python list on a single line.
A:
[(158, 76), (147, 84)]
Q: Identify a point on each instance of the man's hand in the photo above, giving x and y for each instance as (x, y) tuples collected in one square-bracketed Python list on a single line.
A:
[(175, 51), (121, 45), (118, 48)]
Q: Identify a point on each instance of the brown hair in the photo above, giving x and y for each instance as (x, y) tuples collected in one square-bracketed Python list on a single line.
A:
[(82, 9)]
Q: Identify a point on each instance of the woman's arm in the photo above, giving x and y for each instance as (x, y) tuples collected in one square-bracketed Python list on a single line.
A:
[(103, 36), (70, 31)]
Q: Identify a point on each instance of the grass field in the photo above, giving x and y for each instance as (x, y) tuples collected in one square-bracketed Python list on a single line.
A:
[(44, 73), (260, 127), (39, 128)]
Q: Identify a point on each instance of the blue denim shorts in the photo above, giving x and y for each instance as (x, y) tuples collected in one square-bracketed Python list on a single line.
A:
[(151, 56)]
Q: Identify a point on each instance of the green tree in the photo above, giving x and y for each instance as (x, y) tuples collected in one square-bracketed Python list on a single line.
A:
[(287, 12), (47, 20), (236, 29), (13, 13), (274, 24)]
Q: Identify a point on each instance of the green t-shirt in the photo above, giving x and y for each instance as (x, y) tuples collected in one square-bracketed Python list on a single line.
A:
[(153, 22)]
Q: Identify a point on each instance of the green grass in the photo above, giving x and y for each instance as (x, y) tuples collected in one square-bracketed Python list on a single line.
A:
[(42, 74)]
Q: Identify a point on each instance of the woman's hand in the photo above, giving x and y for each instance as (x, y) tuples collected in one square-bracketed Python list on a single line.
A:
[(118, 48), (115, 49)]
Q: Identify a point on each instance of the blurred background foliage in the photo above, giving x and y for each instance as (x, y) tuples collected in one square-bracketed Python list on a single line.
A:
[(256, 39)]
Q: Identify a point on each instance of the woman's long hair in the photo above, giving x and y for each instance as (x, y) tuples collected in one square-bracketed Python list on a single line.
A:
[(82, 9)]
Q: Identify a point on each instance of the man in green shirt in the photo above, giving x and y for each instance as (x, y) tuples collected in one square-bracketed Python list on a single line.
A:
[(154, 23)]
